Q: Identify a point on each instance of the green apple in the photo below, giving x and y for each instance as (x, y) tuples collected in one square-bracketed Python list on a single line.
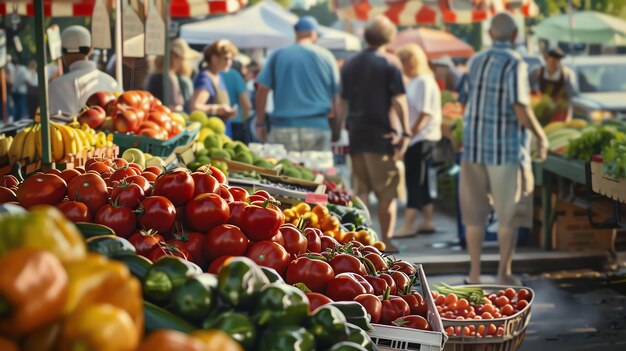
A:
[(156, 162), (135, 155)]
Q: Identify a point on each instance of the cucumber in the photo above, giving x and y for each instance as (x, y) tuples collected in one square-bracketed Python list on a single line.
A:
[(138, 265), (157, 318), (89, 230), (355, 313), (110, 245)]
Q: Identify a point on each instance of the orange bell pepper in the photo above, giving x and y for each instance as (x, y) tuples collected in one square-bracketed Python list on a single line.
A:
[(33, 290), (217, 340), (168, 340)]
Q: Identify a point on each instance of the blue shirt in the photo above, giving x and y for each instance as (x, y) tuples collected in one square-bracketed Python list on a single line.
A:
[(235, 85), (204, 82), (304, 79), (496, 80)]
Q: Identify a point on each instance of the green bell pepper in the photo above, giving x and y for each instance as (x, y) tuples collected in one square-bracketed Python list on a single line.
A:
[(110, 245), (271, 274), (328, 325), (239, 327), (195, 298), (239, 280), (347, 346), (286, 338), (210, 320), (359, 336), (280, 304), (349, 226), (166, 274), (355, 313)]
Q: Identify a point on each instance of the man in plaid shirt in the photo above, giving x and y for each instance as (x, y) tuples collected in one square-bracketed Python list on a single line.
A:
[(496, 159)]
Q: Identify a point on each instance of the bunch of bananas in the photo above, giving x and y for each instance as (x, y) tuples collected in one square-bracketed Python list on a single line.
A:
[(5, 145), (65, 140)]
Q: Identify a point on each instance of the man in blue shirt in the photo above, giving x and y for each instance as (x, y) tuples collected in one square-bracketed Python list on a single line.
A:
[(305, 82), (496, 157)]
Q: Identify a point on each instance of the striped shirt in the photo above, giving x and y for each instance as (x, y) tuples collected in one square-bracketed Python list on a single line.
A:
[(496, 80)]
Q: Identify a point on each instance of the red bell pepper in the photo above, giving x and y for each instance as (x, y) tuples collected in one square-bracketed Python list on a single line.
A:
[(237, 212), (416, 303), (372, 305), (393, 307), (345, 287), (314, 239), (392, 283), (378, 284), (261, 220), (312, 272)]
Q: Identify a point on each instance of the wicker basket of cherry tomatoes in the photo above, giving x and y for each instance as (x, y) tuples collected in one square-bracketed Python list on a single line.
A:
[(483, 317)]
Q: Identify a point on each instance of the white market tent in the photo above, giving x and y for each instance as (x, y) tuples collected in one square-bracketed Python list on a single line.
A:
[(265, 25)]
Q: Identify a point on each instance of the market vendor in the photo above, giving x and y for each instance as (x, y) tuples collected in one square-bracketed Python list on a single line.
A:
[(70, 92), (554, 82)]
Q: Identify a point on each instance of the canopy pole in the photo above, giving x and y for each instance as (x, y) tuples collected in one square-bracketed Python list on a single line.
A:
[(119, 54), (166, 56), (40, 43)]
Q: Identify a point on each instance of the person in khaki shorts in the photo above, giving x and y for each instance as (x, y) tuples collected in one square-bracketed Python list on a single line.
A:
[(367, 100), (496, 163)]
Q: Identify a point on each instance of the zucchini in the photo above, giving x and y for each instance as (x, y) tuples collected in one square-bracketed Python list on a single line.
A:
[(110, 245), (138, 265), (89, 230), (355, 313), (157, 318)]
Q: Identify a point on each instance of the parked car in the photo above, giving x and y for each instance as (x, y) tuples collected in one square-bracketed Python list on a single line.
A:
[(600, 86)]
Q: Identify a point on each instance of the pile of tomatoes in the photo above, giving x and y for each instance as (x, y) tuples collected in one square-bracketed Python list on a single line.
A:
[(494, 306), (137, 112)]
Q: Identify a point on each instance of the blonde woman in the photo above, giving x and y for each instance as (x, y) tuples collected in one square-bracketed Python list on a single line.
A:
[(424, 100)]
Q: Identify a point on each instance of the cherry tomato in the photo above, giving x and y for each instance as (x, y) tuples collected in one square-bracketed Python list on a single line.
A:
[(121, 219), (269, 254), (440, 300), (521, 304), (502, 300), (450, 299), (41, 189), (510, 293), (523, 294), (225, 240), (89, 189), (462, 304), (486, 315), (145, 240), (507, 310), (157, 213), (206, 211), (177, 185)]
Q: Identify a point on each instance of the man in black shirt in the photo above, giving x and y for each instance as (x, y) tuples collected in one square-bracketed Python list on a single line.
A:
[(372, 88)]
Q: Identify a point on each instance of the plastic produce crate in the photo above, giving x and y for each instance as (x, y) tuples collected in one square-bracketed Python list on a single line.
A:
[(387, 337), (514, 328), (155, 147)]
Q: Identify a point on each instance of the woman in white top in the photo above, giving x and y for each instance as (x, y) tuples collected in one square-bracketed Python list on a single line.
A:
[(424, 100)]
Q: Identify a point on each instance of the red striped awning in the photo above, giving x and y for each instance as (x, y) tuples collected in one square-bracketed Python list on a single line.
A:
[(413, 12), (67, 8)]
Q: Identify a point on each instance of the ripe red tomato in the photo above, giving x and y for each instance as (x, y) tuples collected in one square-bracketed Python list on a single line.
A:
[(264, 194), (151, 177), (193, 242), (121, 219), (226, 240), (370, 249), (41, 189), (69, 174), (269, 254), (237, 210), (92, 160), (164, 249), (314, 239), (377, 260), (127, 194), (372, 305), (344, 263), (89, 189), (204, 183), (100, 98), (238, 193), (99, 167), (9, 181), (125, 120), (295, 242), (344, 287), (75, 211), (413, 322), (54, 171), (416, 303), (225, 193), (93, 116), (176, 185), (216, 266), (218, 175), (161, 119), (403, 283), (122, 173), (142, 182), (404, 267), (316, 300), (328, 242), (155, 170), (144, 241), (313, 273), (206, 211), (7, 195), (278, 238), (158, 214)]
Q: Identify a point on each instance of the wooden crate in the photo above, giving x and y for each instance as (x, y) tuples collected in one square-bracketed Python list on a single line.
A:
[(236, 166), (572, 231), (605, 185)]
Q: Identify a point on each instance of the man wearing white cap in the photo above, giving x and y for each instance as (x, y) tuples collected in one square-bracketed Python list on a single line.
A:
[(70, 92)]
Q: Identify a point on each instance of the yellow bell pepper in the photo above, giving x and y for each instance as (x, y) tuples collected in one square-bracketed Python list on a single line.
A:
[(216, 340), (99, 327), (43, 227), (33, 290), (97, 279)]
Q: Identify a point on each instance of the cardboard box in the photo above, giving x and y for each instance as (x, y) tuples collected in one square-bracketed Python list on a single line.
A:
[(572, 231), (603, 184)]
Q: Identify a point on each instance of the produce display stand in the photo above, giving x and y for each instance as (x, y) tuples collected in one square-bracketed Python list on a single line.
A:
[(514, 328), (396, 338), (236, 166), (556, 170)]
